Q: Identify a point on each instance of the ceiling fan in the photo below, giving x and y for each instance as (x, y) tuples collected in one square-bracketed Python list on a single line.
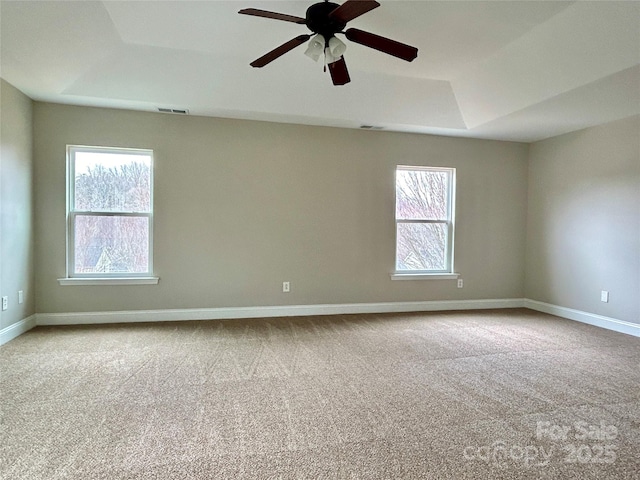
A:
[(325, 20)]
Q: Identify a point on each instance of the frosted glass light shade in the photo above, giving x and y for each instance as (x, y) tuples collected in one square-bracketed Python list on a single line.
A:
[(315, 48), (334, 50)]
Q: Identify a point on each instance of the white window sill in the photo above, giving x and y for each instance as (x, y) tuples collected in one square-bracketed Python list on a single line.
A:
[(424, 276), (109, 281)]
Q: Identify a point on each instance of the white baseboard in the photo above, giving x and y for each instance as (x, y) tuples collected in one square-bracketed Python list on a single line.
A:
[(585, 317), (16, 329), (269, 311)]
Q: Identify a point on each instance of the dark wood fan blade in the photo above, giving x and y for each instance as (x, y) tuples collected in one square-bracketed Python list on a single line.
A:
[(339, 72), (352, 9), (276, 16), (281, 50), (386, 45)]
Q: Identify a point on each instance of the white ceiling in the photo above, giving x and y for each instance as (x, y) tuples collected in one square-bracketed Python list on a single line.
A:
[(507, 70)]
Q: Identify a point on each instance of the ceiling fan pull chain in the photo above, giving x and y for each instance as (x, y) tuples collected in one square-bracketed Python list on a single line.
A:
[(326, 61)]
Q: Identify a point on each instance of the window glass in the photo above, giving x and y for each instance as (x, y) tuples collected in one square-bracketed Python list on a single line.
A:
[(424, 219), (110, 221)]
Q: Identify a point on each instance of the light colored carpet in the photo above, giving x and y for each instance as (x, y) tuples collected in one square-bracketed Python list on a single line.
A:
[(462, 395)]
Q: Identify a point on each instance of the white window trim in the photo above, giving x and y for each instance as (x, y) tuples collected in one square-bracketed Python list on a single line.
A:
[(424, 276), (448, 273), (109, 281), (72, 278)]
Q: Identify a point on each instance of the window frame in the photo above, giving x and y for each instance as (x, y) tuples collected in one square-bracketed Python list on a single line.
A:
[(108, 278), (448, 272)]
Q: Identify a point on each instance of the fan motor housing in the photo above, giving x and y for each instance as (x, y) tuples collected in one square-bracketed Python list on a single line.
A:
[(318, 20)]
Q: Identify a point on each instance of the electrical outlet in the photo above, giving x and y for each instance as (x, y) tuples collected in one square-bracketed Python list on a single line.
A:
[(604, 296), (20, 296), (286, 287), (5, 303), (460, 283)]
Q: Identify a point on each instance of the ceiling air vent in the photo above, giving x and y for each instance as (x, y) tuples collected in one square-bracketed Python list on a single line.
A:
[(370, 127), (178, 111)]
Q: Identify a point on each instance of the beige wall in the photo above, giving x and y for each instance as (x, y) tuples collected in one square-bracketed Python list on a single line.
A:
[(242, 206), (16, 205), (584, 220)]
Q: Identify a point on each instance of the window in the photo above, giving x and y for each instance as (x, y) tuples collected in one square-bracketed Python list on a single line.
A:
[(424, 220), (109, 212)]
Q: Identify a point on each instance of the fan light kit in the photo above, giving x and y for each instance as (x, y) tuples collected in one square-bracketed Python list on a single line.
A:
[(325, 20)]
